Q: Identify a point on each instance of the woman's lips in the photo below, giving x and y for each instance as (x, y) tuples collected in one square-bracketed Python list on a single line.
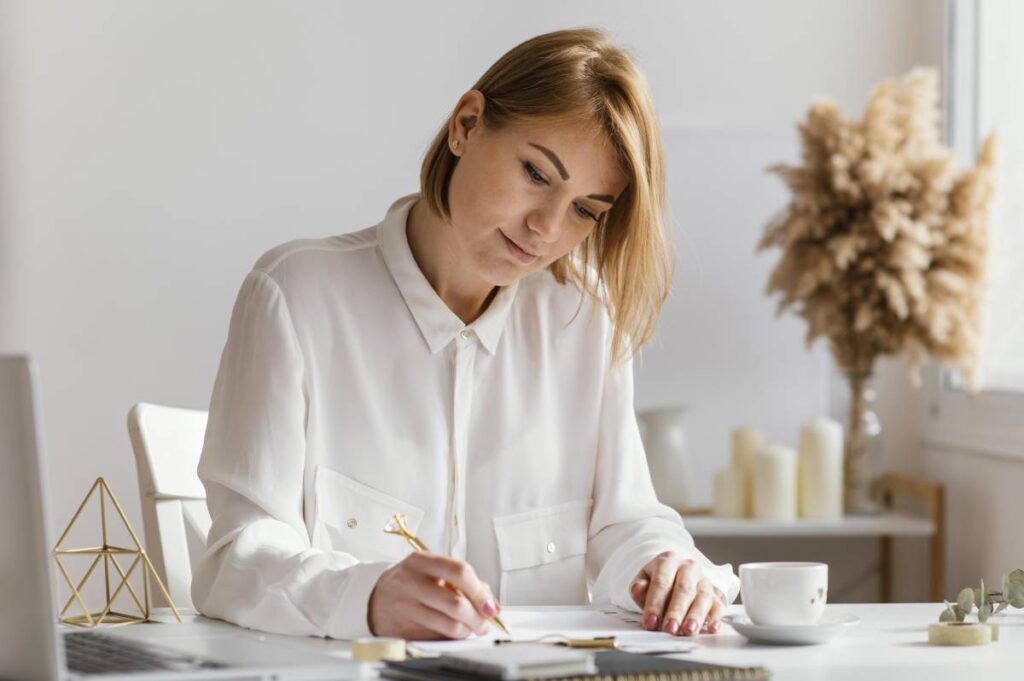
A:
[(521, 255)]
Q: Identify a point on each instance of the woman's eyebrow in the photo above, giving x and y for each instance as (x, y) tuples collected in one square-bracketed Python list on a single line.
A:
[(553, 157)]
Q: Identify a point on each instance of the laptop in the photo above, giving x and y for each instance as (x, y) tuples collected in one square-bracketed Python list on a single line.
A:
[(34, 648)]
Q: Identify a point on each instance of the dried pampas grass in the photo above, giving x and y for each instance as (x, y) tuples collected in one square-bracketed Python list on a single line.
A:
[(884, 239)]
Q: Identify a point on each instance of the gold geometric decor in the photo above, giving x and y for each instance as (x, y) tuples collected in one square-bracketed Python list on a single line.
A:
[(108, 555)]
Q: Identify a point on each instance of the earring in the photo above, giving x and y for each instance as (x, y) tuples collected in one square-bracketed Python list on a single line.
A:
[(455, 144)]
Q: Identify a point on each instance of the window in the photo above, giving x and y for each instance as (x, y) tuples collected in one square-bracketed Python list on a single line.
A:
[(984, 60)]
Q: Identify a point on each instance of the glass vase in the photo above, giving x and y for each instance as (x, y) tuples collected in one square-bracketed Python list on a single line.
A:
[(862, 458)]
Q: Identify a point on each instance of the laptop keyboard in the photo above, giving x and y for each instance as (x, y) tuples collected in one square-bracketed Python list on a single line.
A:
[(93, 653)]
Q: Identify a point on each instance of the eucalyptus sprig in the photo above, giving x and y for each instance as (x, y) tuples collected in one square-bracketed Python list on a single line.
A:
[(988, 602)]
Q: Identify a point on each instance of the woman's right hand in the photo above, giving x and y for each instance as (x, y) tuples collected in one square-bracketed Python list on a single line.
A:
[(414, 600)]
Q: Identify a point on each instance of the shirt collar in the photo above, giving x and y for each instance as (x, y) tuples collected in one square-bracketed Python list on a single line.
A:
[(438, 324)]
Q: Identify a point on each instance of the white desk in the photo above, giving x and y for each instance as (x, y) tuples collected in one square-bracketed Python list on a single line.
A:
[(891, 642)]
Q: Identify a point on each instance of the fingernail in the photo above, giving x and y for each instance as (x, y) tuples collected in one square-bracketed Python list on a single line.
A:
[(690, 626), (671, 626), (489, 608), (713, 627), (650, 622)]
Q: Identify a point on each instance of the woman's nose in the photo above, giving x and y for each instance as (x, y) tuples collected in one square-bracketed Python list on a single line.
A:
[(543, 221)]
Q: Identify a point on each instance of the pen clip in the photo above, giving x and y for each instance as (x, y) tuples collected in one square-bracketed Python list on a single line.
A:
[(597, 643), (398, 527)]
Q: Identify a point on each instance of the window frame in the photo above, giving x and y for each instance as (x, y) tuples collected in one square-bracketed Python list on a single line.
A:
[(990, 422)]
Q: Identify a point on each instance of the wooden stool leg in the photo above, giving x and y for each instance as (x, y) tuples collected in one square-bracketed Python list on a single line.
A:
[(938, 504), (933, 495), (885, 575)]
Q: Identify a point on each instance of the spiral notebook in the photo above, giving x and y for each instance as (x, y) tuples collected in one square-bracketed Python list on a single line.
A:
[(612, 665)]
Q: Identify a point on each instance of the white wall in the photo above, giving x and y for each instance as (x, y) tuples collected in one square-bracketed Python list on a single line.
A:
[(150, 152)]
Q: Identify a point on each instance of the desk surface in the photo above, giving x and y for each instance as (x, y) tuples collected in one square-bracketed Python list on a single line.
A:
[(890, 642), (888, 524)]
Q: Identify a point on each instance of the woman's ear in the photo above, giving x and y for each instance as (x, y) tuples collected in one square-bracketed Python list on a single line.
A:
[(465, 120)]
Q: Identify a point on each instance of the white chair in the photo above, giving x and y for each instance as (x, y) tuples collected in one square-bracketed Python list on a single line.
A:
[(167, 442)]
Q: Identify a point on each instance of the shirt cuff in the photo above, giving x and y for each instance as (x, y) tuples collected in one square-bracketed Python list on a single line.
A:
[(619, 591), (725, 579), (349, 619)]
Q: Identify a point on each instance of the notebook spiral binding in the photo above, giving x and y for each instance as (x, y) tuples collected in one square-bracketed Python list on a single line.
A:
[(735, 673)]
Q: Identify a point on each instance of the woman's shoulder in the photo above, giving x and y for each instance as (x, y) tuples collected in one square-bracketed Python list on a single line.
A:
[(338, 263), (298, 252)]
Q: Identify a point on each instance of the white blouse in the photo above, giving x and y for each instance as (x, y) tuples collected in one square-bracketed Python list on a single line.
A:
[(348, 391)]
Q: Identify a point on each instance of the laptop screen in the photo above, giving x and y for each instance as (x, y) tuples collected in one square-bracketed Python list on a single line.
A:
[(28, 637)]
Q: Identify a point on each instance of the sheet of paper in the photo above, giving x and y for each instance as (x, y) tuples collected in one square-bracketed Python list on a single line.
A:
[(553, 622)]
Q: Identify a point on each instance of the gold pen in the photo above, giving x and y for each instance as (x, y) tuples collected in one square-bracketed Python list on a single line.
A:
[(397, 526), (597, 643)]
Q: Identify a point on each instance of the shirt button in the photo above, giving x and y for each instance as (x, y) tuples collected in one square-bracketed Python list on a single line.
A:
[(466, 334), (551, 547), (352, 522)]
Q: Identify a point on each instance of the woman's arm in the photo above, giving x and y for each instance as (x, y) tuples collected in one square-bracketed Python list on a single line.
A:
[(260, 569), (629, 528)]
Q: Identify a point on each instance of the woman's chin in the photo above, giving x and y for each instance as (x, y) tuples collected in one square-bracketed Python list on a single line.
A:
[(506, 273)]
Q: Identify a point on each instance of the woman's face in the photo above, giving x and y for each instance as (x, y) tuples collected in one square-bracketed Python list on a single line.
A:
[(521, 198)]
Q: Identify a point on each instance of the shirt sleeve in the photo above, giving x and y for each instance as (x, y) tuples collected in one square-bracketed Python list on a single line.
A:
[(260, 569), (629, 526)]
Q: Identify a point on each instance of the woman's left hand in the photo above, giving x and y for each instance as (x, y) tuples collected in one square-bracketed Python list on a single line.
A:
[(676, 597)]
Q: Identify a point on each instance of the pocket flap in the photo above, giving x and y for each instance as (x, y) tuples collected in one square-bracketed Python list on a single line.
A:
[(543, 535), (359, 512)]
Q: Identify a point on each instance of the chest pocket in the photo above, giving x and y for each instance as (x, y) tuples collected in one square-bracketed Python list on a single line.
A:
[(351, 517), (543, 555)]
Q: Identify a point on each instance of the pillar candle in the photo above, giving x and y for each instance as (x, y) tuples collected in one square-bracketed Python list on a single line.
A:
[(729, 493), (746, 442), (775, 483), (820, 470)]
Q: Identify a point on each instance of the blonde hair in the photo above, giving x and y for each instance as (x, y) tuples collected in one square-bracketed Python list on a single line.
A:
[(579, 74)]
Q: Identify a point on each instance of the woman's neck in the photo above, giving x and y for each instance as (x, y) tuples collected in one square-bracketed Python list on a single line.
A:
[(438, 257)]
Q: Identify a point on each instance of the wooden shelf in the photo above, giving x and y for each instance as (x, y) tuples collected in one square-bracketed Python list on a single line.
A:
[(896, 492), (887, 524)]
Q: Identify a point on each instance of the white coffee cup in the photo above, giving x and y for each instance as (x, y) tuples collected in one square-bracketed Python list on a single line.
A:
[(781, 593)]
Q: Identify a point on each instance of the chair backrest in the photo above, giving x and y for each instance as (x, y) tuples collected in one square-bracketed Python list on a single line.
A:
[(167, 442)]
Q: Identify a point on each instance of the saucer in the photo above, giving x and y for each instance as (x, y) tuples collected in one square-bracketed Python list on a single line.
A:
[(827, 628)]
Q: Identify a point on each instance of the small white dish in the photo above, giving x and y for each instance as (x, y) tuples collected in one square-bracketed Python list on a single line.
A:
[(827, 628)]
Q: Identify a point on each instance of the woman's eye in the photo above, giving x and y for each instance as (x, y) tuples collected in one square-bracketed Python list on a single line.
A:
[(532, 172), (537, 178), (584, 213)]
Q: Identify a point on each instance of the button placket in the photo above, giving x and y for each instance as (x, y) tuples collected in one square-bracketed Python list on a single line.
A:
[(462, 399)]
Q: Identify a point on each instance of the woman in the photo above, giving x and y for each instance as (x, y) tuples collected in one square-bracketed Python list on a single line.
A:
[(466, 362)]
